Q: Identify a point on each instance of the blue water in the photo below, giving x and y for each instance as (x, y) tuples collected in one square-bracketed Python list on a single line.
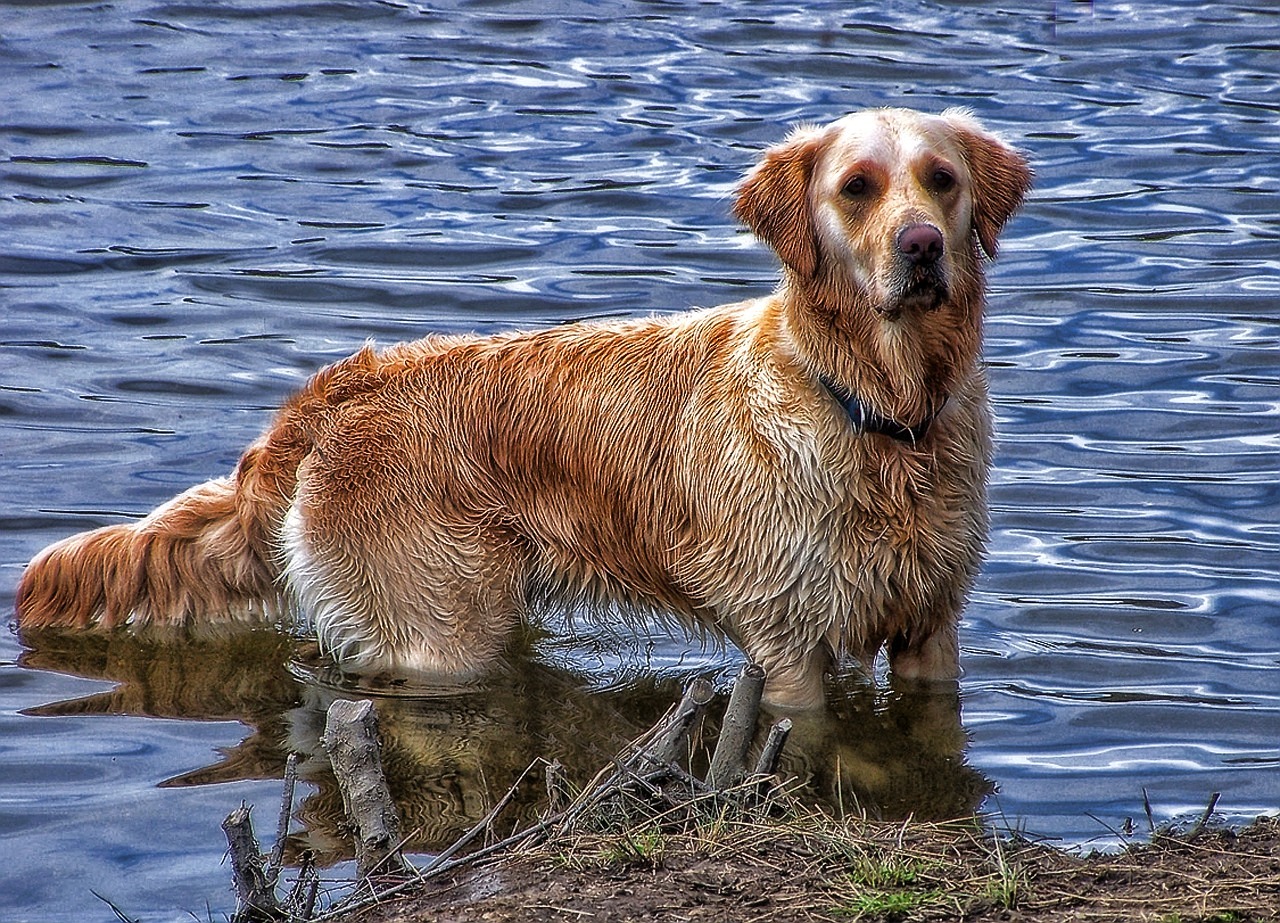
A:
[(203, 203)]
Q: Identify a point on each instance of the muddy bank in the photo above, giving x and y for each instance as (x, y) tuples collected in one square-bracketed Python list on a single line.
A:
[(814, 869)]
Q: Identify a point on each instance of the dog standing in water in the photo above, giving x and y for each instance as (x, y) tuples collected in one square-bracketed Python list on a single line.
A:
[(803, 473)]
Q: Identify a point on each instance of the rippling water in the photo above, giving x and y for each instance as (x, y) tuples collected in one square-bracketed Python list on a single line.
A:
[(201, 204)]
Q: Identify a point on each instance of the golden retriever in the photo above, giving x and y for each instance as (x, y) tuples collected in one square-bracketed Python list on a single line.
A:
[(803, 473)]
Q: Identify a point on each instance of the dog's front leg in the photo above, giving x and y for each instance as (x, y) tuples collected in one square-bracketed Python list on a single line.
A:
[(935, 656), (795, 682)]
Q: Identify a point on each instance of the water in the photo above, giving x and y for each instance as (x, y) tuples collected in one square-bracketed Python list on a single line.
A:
[(202, 204)]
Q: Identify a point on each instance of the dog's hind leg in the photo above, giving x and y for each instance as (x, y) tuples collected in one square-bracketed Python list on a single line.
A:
[(435, 604)]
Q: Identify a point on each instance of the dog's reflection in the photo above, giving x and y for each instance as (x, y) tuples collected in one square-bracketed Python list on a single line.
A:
[(450, 754)]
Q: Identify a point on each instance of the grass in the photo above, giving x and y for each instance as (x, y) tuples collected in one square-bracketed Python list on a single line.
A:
[(861, 869), (895, 872), (887, 884), (643, 843), (1008, 881), (875, 903), (642, 846), (892, 871)]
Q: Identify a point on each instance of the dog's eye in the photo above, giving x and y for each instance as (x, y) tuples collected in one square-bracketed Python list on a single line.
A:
[(943, 180), (856, 186)]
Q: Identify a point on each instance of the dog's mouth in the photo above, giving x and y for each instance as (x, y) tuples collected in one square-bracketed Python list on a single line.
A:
[(922, 290)]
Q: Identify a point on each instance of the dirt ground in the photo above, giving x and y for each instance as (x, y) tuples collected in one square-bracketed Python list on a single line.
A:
[(798, 871)]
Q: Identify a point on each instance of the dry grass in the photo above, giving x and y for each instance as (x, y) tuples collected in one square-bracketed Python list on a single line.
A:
[(646, 841), (704, 857)]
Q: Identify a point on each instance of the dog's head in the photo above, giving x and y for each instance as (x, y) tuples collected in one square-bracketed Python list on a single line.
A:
[(895, 202)]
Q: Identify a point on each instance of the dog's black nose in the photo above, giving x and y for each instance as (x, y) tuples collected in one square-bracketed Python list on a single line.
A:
[(921, 244)]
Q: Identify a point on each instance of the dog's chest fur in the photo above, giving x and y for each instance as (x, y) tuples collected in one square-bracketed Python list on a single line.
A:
[(845, 533)]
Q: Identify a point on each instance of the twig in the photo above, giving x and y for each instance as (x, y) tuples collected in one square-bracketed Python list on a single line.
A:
[(1199, 825), (771, 752), (479, 828), (672, 771), (672, 734), (282, 823), (309, 905), (305, 869), (557, 787), (647, 784)]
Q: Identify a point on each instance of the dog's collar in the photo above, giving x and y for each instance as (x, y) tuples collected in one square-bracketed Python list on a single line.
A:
[(866, 420)]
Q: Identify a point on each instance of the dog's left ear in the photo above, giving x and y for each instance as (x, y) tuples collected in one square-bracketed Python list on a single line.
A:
[(1001, 177), (774, 201)]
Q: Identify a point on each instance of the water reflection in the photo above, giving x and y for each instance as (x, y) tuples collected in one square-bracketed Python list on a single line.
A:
[(450, 754)]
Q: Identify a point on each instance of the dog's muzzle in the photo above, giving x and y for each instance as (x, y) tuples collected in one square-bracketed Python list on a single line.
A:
[(919, 279)]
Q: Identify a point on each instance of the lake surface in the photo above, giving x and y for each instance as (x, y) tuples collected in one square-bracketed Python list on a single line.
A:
[(202, 204)]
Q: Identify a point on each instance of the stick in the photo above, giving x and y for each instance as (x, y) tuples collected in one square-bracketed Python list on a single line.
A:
[(305, 876), (309, 905), (484, 824), (728, 762), (1198, 827), (282, 823), (771, 753), (351, 739), (677, 730), (255, 893), (557, 787)]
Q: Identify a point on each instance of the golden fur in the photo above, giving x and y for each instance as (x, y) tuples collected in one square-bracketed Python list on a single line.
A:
[(414, 503)]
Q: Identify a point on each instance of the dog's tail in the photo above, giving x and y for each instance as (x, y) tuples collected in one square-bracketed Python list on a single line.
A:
[(210, 554), (206, 555)]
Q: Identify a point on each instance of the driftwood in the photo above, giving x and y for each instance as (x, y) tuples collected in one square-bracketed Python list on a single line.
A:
[(676, 731), (351, 740), (255, 890), (729, 762)]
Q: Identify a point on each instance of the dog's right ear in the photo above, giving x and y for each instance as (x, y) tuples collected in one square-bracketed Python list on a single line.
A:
[(774, 201)]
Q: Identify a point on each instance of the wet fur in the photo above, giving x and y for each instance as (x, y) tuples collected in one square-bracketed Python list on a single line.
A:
[(414, 503)]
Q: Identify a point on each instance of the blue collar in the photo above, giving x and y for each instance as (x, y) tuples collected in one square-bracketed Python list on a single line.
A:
[(866, 420)]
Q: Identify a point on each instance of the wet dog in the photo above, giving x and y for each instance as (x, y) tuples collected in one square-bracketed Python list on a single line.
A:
[(803, 473)]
